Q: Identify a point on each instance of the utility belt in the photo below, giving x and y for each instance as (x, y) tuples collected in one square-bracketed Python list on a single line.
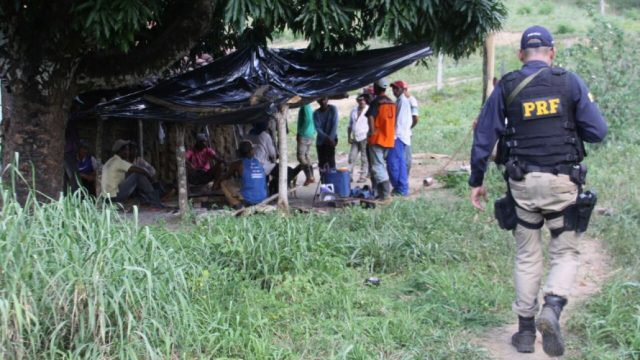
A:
[(576, 216), (576, 172)]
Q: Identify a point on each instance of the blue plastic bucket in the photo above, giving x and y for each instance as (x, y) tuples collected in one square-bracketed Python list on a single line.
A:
[(341, 181)]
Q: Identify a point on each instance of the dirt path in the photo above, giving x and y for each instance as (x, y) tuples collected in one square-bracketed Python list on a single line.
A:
[(594, 270)]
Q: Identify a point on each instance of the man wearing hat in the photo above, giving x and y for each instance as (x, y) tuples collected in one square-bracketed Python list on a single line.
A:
[(549, 113), (200, 170), (396, 160), (120, 179), (382, 122)]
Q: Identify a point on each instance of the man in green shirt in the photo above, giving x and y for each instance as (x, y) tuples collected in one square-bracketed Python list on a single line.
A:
[(306, 135)]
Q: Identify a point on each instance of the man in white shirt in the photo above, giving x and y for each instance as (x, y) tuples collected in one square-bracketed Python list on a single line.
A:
[(357, 137), (396, 163), (414, 116)]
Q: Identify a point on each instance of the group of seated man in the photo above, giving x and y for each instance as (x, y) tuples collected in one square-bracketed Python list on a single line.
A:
[(126, 174)]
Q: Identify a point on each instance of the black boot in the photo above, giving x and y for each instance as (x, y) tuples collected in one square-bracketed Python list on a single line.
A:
[(525, 338), (549, 325), (383, 190)]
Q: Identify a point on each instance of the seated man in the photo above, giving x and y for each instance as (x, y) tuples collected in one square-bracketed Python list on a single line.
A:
[(165, 190), (80, 169), (137, 160), (120, 179), (199, 163), (264, 148), (246, 182)]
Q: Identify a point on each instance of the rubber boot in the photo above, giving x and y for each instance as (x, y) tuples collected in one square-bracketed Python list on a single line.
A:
[(525, 338), (549, 325), (383, 190)]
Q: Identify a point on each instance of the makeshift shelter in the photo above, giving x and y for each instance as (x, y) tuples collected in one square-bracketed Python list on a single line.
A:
[(253, 84)]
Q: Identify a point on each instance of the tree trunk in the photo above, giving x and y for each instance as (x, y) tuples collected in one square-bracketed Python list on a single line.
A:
[(4, 98), (602, 7), (182, 171), (35, 129)]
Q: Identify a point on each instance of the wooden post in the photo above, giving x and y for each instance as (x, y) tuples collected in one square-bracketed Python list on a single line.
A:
[(99, 132), (440, 72), (283, 195), (98, 153), (182, 170), (140, 139), (488, 62)]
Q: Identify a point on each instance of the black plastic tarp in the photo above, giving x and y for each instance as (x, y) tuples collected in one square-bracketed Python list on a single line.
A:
[(248, 85)]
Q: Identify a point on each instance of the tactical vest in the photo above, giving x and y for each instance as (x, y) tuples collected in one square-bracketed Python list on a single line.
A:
[(541, 127)]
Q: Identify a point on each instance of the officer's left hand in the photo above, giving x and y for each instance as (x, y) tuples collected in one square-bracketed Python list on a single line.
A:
[(477, 194)]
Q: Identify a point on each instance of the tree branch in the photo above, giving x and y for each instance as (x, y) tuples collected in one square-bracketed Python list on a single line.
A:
[(118, 70)]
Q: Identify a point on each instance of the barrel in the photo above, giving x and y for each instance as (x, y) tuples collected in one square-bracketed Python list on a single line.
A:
[(341, 180)]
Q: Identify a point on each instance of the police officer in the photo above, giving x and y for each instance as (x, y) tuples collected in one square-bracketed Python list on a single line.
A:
[(541, 115)]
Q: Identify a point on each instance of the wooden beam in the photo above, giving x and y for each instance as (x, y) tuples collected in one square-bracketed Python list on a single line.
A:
[(98, 153), (140, 139), (283, 195), (182, 170)]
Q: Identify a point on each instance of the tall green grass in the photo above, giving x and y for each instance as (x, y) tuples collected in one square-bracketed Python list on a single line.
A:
[(80, 282)]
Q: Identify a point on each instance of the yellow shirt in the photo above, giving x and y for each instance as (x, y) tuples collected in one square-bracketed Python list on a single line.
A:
[(113, 173)]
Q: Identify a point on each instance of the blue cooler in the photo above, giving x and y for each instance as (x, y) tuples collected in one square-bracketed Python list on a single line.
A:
[(341, 180)]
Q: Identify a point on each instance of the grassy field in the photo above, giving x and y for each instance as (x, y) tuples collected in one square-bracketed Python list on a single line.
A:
[(80, 282)]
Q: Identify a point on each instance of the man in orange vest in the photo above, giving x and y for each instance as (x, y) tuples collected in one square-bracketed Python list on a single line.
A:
[(382, 123)]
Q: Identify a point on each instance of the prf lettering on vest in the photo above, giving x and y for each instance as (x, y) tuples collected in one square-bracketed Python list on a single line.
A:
[(534, 109)]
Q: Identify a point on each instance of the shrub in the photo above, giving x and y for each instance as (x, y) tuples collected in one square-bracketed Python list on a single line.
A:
[(525, 10), (608, 63), (564, 29), (545, 9)]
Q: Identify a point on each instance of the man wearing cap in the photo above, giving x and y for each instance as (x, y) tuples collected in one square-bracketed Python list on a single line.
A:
[(357, 136), (396, 160), (200, 170), (246, 181), (549, 114), (382, 122), (325, 118), (120, 179), (415, 111)]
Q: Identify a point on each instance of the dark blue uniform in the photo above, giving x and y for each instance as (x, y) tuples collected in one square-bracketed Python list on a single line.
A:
[(591, 126)]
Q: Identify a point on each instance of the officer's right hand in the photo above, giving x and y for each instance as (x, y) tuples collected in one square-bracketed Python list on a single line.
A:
[(477, 194)]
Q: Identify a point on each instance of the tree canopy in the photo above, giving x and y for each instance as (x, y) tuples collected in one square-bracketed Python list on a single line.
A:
[(100, 35)]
